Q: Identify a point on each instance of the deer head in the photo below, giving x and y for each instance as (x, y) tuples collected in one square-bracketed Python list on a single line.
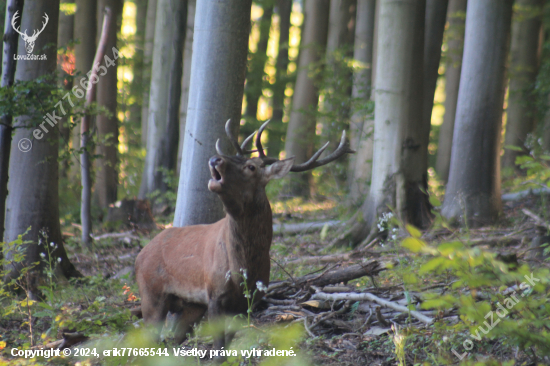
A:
[(240, 181), (29, 40)]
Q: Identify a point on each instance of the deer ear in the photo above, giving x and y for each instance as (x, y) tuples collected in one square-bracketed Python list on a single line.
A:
[(278, 169)]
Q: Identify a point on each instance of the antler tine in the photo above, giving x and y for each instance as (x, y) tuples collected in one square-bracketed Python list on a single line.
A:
[(218, 148), (259, 139), (267, 160), (342, 149), (232, 139), (245, 142)]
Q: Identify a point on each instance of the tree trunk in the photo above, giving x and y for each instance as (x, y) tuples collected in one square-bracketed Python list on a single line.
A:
[(399, 177), (524, 63), (436, 14), (255, 75), (455, 44), (33, 198), (85, 172), (64, 37), (11, 38), (361, 127), (107, 126), (136, 88), (147, 63), (186, 78), (300, 134), (85, 26), (164, 96), (276, 126), (473, 191), (215, 95)]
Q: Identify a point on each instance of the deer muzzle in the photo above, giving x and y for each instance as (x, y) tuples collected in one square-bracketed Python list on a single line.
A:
[(217, 169)]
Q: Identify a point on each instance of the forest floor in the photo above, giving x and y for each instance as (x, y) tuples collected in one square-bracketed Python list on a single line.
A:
[(454, 273)]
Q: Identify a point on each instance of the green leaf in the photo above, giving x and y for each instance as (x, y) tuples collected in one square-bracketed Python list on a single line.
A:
[(415, 233), (451, 247), (434, 201), (513, 148), (432, 264), (413, 244)]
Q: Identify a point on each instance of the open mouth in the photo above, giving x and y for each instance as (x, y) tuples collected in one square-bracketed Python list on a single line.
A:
[(215, 174)]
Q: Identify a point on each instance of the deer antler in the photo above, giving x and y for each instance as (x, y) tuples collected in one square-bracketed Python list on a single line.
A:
[(35, 34), (342, 149), (15, 16)]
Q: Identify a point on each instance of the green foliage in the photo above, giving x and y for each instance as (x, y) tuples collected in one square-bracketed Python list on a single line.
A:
[(494, 301)]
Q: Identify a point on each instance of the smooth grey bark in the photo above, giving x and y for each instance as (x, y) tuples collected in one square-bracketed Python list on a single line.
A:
[(64, 37), (453, 66), (147, 65), (33, 198), (256, 66), (473, 191), (106, 176), (276, 126), (362, 126), (164, 96), (85, 172), (136, 88), (85, 26), (215, 95), (436, 16), (300, 133), (11, 38), (340, 38), (524, 64), (186, 78), (399, 177)]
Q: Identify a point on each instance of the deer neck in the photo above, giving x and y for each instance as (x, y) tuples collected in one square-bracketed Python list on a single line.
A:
[(249, 235)]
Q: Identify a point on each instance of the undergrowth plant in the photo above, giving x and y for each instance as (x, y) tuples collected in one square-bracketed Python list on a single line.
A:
[(494, 301)]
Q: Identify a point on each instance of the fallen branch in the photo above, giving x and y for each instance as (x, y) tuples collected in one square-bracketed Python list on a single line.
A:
[(371, 297), (320, 259), (537, 218), (127, 234), (330, 277), (303, 227)]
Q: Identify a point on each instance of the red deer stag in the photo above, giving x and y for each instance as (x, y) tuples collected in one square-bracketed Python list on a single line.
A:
[(196, 269)]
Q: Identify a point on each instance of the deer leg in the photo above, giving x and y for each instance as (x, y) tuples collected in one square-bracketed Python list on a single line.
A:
[(190, 315), (215, 316), (154, 312)]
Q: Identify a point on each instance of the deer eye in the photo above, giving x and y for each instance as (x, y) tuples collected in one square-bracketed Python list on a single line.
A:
[(251, 167)]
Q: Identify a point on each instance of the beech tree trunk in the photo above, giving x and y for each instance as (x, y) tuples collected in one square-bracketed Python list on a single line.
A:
[(147, 65), (524, 63), (11, 38), (106, 182), (256, 65), (340, 38), (362, 126), (473, 191), (436, 14), (136, 88), (300, 135), (455, 43), (215, 95), (186, 78), (164, 96), (33, 198), (276, 126), (85, 29), (399, 177), (64, 37)]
